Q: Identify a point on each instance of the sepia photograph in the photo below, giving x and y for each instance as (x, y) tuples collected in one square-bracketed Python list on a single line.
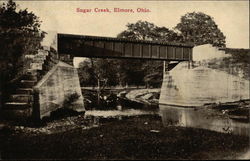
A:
[(124, 80)]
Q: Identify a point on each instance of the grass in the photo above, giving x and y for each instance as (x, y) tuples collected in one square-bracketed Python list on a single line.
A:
[(129, 138)]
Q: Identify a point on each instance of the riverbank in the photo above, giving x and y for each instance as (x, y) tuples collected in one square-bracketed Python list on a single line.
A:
[(146, 96), (130, 132), (135, 137), (238, 110)]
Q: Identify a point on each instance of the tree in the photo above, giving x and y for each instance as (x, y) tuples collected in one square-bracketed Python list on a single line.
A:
[(86, 73), (151, 70), (97, 69), (199, 28), (20, 34), (143, 30)]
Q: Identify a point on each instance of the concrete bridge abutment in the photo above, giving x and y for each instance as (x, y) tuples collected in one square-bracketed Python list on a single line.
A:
[(208, 79)]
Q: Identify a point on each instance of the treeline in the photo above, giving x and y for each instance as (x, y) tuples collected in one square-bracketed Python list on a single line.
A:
[(196, 28), (120, 72)]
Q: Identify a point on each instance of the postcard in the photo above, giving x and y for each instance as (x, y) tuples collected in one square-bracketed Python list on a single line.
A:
[(124, 80)]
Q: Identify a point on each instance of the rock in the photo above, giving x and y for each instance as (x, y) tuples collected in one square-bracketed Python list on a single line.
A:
[(1, 126), (155, 131), (119, 107), (43, 130)]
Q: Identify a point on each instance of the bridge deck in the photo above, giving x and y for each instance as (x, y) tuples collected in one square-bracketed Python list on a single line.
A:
[(92, 46)]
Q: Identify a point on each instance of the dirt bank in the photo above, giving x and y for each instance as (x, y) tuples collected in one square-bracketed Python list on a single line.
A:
[(137, 137)]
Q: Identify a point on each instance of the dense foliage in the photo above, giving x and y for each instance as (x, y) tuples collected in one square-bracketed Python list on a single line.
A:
[(199, 28), (104, 70), (20, 34), (143, 30)]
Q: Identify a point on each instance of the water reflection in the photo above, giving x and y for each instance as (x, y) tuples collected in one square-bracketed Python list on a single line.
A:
[(171, 115), (191, 117), (126, 112)]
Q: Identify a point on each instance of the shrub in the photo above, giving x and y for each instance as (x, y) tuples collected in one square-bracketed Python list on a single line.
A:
[(70, 99)]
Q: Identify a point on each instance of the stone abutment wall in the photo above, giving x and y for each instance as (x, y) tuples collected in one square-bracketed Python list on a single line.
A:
[(211, 79), (59, 88)]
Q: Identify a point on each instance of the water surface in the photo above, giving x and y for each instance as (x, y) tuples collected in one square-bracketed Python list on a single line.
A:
[(203, 119)]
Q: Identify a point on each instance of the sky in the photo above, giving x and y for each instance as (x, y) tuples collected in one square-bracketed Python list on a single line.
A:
[(232, 17)]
